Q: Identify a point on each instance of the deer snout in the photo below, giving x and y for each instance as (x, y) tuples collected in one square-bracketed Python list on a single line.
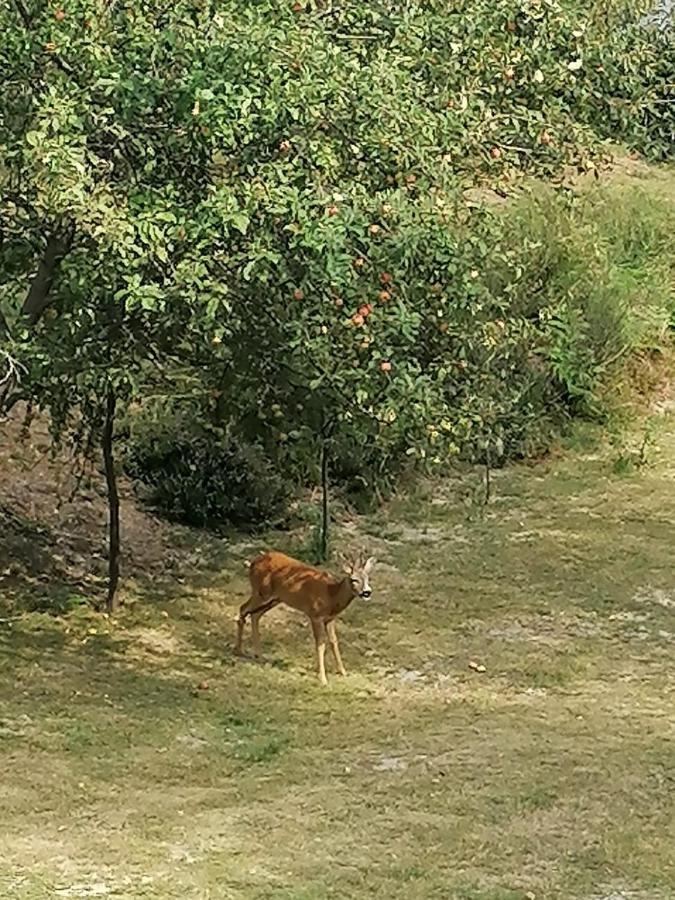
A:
[(366, 594)]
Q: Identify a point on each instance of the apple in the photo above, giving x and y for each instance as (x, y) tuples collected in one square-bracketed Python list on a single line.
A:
[(359, 262), (384, 296), (298, 294), (332, 210), (339, 302), (59, 15), (365, 310), (495, 153), (386, 278), (285, 146), (357, 320), (374, 230), (385, 365)]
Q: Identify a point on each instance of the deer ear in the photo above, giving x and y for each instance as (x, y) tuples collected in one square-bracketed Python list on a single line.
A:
[(368, 565)]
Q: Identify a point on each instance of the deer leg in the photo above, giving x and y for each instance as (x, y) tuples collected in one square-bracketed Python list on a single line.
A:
[(255, 608), (255, 633), (241, 623), (335, 647), (319, 630)]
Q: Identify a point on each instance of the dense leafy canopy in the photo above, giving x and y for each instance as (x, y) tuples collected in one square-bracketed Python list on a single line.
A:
[(261, 207)]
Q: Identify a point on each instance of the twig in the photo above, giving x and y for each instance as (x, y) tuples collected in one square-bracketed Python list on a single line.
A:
[(24, 14)]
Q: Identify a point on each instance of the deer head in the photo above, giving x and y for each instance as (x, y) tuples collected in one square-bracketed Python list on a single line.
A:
[(359, 571)]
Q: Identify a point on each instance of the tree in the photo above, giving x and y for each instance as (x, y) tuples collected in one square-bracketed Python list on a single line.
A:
[(213, 194)]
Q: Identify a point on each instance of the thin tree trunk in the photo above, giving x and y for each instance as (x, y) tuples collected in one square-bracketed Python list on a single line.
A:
[(325, 510), (113, 503), (4, 327), (488, 481)]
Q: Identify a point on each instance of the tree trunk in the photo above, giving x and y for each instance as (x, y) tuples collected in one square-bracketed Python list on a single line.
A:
[(113, 503), (4, 327), (488, 479), (325, 511)]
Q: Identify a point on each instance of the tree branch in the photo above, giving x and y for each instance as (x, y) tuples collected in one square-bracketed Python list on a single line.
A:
[(38, 296), (24, 14)]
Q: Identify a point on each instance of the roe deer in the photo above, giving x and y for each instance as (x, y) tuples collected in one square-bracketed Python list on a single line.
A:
[(276, 578)]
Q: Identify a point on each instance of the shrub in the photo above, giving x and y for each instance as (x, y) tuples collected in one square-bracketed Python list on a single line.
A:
[(196, 476), (595, 275)]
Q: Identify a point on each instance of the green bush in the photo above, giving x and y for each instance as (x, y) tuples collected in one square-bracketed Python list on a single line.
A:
[(198, 477), (595, 274)]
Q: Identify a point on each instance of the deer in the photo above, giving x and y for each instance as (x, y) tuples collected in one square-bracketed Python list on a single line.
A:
[(276, 578)]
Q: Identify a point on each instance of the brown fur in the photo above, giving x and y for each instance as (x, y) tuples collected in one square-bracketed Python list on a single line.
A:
[(276, 578)]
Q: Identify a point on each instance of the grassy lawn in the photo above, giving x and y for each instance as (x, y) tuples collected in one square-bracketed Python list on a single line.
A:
[(549, 775)]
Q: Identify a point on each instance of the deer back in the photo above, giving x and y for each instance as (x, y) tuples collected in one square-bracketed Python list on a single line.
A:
[(275, 576)]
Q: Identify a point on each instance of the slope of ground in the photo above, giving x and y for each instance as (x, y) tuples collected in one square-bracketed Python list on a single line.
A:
[(141, 759)]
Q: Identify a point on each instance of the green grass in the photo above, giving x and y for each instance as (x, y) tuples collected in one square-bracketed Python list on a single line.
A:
[(548, 775)]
